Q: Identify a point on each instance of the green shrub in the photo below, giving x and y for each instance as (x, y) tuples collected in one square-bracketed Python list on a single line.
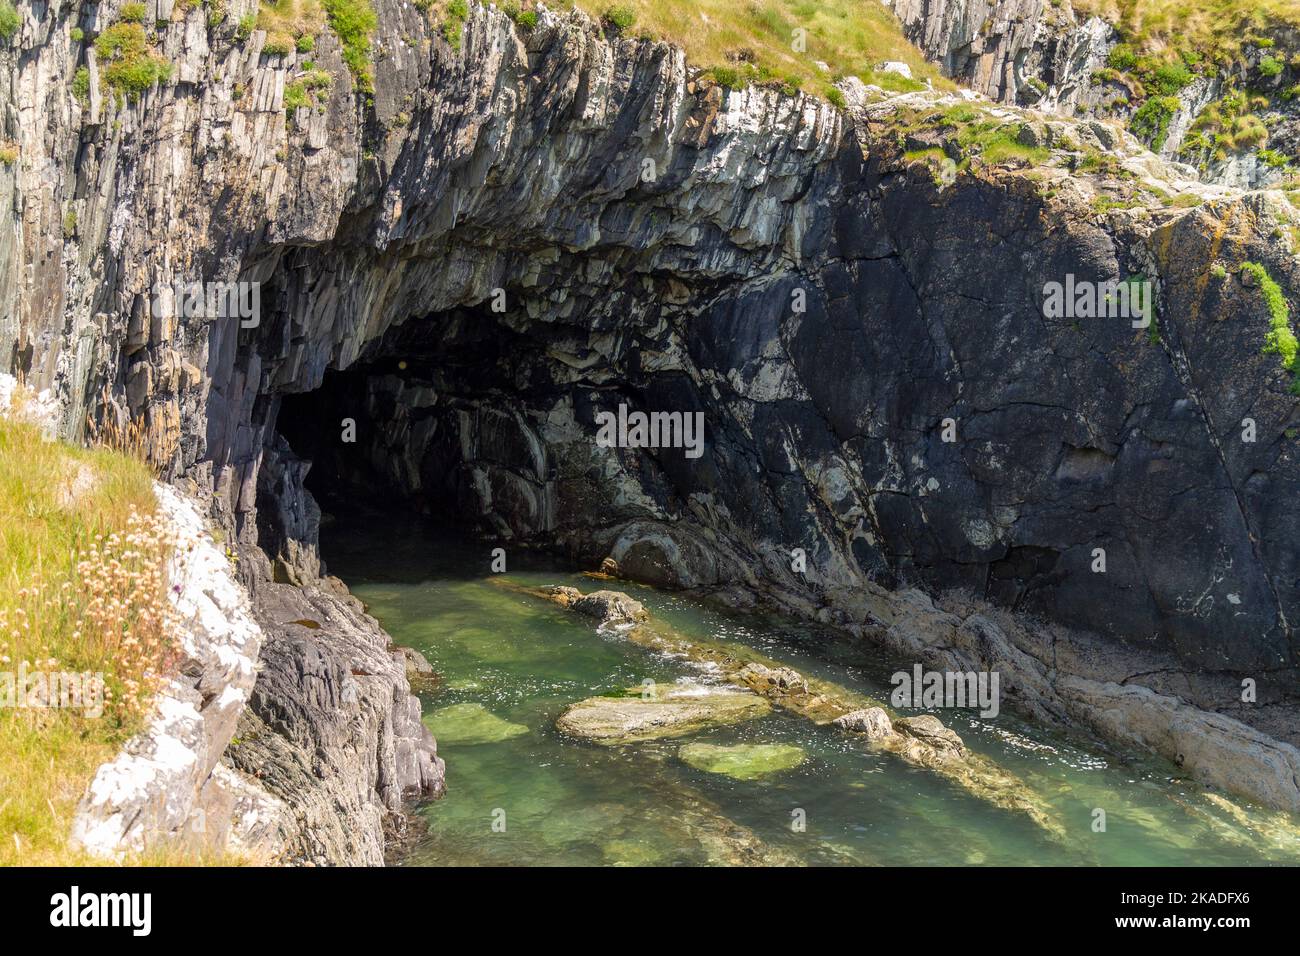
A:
[(1273, 159), (132, 13), (77, 34), (8, 154), (247, 24), (1168, 77), (618, 18), (317, 80), (1122, 57), (726, 76), (1151, 122), (130, 65), (121, 41), (454, 27), (81, 84), (791, 83), (1280, 340), (302, 91), (1228, 125), (305, 44), (835, 97), (295, 95), (353, 21), (1270, 66), (10, 21), (524, 19)]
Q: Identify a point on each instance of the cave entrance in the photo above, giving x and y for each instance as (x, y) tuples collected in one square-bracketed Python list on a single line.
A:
[(421, 423)]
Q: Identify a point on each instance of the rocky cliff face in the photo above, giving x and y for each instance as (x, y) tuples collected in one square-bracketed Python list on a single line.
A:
[(1013, 51), (535, 228), (289, 734), (1045, 56)]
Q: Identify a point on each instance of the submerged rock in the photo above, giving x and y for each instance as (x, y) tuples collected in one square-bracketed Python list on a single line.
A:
[(671, 713), (742, 761), (471, 724), (632, 853)]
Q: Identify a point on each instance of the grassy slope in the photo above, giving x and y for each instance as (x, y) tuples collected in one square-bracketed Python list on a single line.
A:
[(54, 500), (1202, 24), (852, 37)]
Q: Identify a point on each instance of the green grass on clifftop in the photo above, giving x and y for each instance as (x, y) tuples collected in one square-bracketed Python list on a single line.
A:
[(1214, 27), (760, 42), (295, 24)]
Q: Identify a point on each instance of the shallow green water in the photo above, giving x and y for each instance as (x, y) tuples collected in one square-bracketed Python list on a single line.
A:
[(520, 793)]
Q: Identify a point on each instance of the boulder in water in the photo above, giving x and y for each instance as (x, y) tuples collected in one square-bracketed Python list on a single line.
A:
[(672, 712), (608, 607), (872, 721), (785, 680), (930, 730)]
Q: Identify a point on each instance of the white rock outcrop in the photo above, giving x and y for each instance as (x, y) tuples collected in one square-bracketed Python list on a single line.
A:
[(162, 787)]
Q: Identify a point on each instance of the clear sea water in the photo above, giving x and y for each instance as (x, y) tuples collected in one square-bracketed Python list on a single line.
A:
[(520, 793)]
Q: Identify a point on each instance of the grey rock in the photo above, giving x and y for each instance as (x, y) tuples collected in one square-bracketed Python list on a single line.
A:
[(930, 730), (607, 607), (331, 729), (872, 721)]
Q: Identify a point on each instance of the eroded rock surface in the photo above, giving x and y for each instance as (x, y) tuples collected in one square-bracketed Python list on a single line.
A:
[(331, 729), (871, 721)]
